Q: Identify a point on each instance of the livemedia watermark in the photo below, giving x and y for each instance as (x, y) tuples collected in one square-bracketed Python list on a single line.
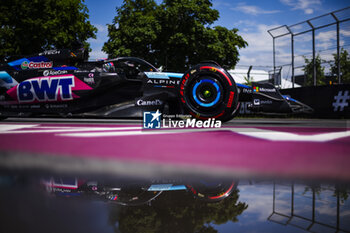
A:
[(155, 120)]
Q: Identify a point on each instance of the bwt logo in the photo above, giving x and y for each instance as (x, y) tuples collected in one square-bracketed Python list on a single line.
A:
[(45, 89), (151, 120)]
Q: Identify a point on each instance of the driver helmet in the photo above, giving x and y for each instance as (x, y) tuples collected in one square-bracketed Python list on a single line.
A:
[(108, 67)]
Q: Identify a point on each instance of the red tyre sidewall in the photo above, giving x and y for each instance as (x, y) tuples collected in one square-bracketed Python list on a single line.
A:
[(230, 94)]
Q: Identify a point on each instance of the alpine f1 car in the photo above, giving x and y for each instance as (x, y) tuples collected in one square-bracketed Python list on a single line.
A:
[(62, 82), (136, 192)]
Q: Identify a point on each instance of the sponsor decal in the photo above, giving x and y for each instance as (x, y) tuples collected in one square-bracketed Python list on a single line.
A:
[(246, 90), (163, 82), (151, 120), (267, 89), (230, 100), (89, 80), (259, 102), (81, 71), (192, 123), (182, 86), (243, 109), (341, 101), (45, 89), (54, 72), (183, 83), (50, 52), (266, 101), (219, 71), (263, 89), (149, 102), (36, 65), (56, 106)]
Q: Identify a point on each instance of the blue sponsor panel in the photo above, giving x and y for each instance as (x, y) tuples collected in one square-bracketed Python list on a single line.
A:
[(4, 76), (18, 62), (6, 80), (166, 187), (289, 98), (65, 68), (31, 63), (242, 85), (38, 59), (163, 75)]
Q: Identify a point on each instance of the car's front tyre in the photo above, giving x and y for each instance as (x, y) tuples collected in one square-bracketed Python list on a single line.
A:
[(208, 91)]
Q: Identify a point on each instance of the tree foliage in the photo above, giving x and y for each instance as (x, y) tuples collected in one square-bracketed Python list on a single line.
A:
[(344, 66), (178, 212), (133, 29), (31, 26), (309, 69), (175, 34)]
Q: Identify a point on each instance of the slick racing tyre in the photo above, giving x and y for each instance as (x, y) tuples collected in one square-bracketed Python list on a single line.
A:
[(208, 91), (212, 191)]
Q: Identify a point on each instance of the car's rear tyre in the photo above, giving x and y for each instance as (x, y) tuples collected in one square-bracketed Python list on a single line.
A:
[(208, 91)]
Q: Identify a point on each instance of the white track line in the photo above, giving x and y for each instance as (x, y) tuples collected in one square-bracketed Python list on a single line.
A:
[(251, 132), (18, 129), (86, 132)]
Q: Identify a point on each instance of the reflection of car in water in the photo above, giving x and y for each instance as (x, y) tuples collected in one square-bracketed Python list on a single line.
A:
[(137, 192), (62, 82)]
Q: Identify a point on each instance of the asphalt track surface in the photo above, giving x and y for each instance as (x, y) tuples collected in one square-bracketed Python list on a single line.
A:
[(286, 148)]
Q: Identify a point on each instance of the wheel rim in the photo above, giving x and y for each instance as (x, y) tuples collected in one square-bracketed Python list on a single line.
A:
[(206, 93)]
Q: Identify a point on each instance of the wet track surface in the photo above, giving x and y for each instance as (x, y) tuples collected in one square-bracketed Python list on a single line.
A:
[(250, 175), (252, 206)]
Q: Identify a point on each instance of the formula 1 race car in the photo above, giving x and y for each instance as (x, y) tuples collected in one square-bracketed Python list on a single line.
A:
[(62, 82), (137, 192)]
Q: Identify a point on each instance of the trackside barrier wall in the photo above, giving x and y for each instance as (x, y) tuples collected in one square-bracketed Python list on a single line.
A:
[(327, 101)]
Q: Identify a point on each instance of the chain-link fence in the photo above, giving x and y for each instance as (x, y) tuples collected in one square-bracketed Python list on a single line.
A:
[(307, 52)]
